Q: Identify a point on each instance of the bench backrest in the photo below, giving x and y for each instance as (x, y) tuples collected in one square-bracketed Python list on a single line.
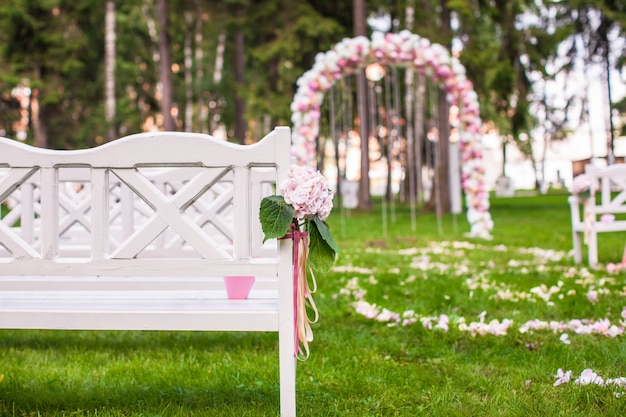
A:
[(213, 211), (148, 204), (609, 183)]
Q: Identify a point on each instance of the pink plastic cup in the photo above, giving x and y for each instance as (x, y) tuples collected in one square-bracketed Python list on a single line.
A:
[(238, 287)]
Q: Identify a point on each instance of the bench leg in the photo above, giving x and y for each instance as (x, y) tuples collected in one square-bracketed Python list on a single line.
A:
[(578, 251), (287, 374), (592, 247)]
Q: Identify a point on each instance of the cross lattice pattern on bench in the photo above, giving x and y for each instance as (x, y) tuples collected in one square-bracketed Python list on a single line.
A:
[(137, 234), (607, 196)]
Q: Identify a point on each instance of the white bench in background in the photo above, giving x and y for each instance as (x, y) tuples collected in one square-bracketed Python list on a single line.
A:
[(116, 273), (607, 197)]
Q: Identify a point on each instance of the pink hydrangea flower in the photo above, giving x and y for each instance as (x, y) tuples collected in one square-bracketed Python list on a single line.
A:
[(307, 191)]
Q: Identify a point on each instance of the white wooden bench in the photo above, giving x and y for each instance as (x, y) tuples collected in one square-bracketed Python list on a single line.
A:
[(126, 280), (607, 197)]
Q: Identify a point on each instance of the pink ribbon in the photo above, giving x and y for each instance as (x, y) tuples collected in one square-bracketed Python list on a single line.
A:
[(301, 292)]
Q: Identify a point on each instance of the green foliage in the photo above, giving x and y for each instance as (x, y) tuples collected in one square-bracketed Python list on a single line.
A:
[(322, 248), (275, 216), (57, 45), (287, 49), (54, 45), (324, 233)]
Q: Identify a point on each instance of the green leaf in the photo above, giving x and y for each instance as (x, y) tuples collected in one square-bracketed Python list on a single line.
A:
[(324, 231), (275, 216), (321, 254)]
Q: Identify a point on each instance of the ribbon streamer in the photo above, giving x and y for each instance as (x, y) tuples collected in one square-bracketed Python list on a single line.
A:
[(302, 293)]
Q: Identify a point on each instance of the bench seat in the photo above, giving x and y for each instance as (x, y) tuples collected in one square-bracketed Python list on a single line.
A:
[(139, 310)]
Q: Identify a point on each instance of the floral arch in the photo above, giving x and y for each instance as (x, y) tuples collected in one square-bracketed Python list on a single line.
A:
[(409, 50)]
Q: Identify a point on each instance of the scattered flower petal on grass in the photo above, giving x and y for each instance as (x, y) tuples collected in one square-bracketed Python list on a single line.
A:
[(353, 269), (589, 377), (423, 259), (592, 295), (494, 327), (602, 327), (562, 377)]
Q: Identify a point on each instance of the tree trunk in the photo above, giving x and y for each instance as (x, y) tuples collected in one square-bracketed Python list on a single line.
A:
[(219, 57), (443, 155), (421, 158), (188, 74), (611, 134), (544, 154), (165, 67), (410, 190), (360, 29), (217, 72), (443, 145), (37, 120), (504, 157), (109, 71), (240, 121), (202, 127)]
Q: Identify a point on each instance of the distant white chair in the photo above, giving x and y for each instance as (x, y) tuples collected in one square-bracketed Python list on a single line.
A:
[(600, 211), (349, 194), (505, 187)]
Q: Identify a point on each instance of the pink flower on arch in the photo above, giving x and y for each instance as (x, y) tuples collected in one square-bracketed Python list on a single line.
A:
[(409, 50)]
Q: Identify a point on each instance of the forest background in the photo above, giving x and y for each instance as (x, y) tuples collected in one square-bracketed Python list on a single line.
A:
[(95, 70)]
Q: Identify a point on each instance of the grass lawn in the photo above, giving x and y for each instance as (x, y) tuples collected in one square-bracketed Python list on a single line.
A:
[(420, 322)]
